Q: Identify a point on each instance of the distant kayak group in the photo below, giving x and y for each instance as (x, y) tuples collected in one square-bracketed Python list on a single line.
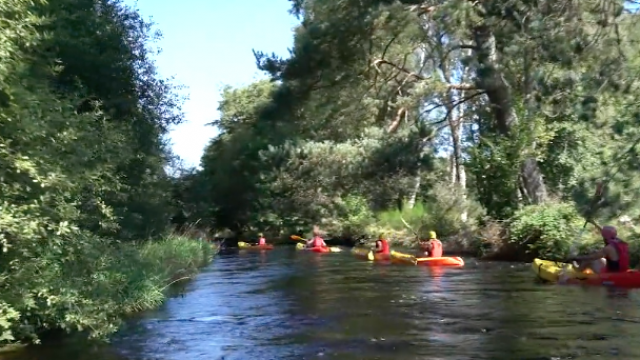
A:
[(430, 251), (608, 266)]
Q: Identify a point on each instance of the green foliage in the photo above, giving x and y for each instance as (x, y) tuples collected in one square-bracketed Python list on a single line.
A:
[(481, 112), (441, 211), (88, 284), (548, 230), (355, 217), (82, 156)]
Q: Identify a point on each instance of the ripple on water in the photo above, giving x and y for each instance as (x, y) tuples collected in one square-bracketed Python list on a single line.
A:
[(290, 305)]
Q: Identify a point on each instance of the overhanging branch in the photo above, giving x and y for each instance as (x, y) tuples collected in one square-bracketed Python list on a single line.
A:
[(378, 62)]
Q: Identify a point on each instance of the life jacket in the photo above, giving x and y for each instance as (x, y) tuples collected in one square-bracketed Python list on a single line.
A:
[(436, 248), (622, 265), (317, 242), (382, 246), (262, 241)]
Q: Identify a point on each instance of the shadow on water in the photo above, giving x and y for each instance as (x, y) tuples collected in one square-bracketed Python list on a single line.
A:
[(290, 305)]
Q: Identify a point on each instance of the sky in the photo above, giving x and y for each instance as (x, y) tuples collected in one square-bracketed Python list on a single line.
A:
[(207, 44)]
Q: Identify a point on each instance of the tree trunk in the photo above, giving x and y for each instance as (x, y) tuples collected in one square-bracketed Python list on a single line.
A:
[(411, 202), (491, 80)]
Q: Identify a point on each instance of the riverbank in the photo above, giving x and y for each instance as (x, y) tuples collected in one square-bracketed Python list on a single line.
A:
[(92, 293)]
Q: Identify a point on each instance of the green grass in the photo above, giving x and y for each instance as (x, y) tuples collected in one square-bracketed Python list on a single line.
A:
[(89, 285), (392, 219), (158, 264)]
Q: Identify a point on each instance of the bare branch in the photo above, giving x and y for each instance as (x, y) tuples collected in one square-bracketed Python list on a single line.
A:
[(422, 9), (378, 62), (395, 124)]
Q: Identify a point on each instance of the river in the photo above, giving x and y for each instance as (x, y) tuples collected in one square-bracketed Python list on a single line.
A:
[(291, 305)]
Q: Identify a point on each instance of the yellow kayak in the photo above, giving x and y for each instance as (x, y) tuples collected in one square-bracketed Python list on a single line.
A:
[(550, 270), (363, 253), (428, 261), (246, 246), (401, 258)]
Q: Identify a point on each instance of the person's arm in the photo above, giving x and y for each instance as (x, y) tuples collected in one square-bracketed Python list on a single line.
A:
[(593, 256)]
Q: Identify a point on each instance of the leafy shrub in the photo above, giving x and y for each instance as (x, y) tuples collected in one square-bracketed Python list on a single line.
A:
[(354, 216), (89, 284), (549, 230), (442, 213)]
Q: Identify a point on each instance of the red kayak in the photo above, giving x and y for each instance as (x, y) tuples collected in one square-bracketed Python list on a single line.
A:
[(566, 274), (628, 279), (244, 246), (318, 249)]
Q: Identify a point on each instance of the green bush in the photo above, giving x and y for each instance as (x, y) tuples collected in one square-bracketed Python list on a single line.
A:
[(550, 230), (88, 285), (355, 216), (442, 213)]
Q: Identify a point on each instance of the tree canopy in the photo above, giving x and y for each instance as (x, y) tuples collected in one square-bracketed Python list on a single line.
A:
[(477, 110)]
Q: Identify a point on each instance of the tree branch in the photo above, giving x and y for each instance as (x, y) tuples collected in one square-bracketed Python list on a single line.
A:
[(378, 62)]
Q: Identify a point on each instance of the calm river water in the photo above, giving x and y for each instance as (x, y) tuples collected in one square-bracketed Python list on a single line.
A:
[(290, 305)]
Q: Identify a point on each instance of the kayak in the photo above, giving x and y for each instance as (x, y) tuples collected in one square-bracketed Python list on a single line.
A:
[(245, 246), (551, 271), (428, 261), (363, 253), (319, 249)]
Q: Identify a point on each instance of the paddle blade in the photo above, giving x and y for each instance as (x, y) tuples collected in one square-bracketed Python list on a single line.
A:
[(370, 256), (299, 246), (296, 237), (335, 249)]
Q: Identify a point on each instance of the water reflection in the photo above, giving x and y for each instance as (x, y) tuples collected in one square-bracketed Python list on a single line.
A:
[(284, 304)]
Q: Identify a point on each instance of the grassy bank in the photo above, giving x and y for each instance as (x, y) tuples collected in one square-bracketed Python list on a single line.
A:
[(90, 285)]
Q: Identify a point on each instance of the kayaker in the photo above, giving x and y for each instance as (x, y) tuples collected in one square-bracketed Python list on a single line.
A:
[(317, 241), (613, 257), (261, 240), (382, 245), (432, 247)]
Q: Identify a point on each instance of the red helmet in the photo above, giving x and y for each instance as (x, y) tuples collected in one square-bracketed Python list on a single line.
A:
[(609, 233)]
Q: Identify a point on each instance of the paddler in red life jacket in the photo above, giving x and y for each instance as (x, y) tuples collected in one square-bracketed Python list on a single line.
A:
[(382, 245), (613, 257), (432, 247), (261, 240), (317, 241)]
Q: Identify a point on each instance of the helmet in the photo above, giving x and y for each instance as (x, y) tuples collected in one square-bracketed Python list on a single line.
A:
[(260, 234), (609, 232), (381, 236), (432, 235)]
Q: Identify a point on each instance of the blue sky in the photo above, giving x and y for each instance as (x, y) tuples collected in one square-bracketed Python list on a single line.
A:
[(207, 44)]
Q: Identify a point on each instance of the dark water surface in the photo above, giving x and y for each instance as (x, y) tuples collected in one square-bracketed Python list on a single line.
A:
[(288, 305)]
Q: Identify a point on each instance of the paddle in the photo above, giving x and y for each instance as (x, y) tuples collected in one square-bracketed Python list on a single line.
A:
[(297, 238), (594, 201)]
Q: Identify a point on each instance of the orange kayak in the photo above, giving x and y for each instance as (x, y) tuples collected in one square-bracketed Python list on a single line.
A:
[(245, 246), (441, 261), (430, 261)]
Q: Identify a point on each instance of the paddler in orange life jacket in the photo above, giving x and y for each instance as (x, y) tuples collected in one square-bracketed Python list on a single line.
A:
[(382, 245), (261, 240), (613, 257), (432, 247), (317, 241)]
